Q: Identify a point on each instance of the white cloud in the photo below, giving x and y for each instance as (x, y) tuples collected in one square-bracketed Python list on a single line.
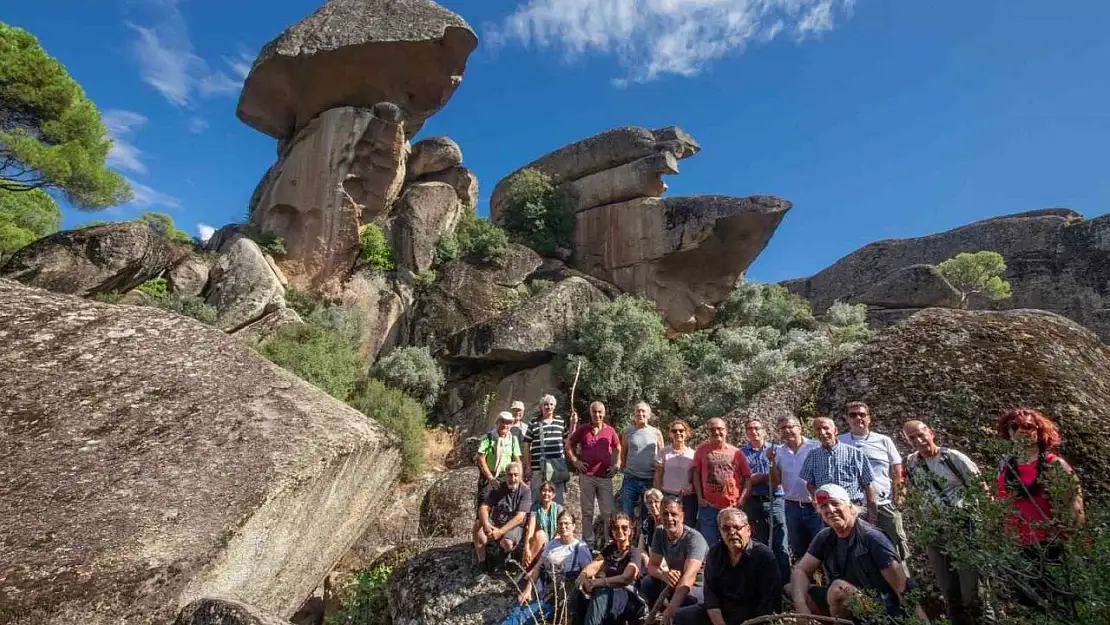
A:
[(124, 154), (205, 231), (167, 61), (655, 38), (240, 64), (197, 125), (146, 197)]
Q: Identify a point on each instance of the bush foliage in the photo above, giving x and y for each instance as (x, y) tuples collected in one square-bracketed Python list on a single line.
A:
[(269, 242), (316, 354), (413, 370), (480, 238), (26, 216), (163, 224), (536, 214), (976, 274), (376, 250), (400, 414), (365, 603)]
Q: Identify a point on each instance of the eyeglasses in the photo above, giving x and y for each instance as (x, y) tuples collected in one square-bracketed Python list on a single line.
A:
[(678, 431), (857, 414), (733, 527), (1014, 426)]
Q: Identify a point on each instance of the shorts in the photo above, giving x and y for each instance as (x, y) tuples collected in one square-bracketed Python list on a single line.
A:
[(514, 535)]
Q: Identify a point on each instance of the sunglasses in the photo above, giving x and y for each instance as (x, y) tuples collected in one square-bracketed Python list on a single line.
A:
[(857, 414), (1014, 426), (622, 528), (678, 431)]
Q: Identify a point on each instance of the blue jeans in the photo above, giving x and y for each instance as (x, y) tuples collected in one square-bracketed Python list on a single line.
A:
[(534, 612), (802, 524), (768, 520), (652, 588), (632, 494), (707, 524)]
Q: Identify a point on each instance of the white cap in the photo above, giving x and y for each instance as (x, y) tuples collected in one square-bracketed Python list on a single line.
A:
[(831, 491), (517, 404), (506, 416)]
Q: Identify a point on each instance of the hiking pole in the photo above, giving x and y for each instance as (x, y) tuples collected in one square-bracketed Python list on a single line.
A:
[(574, 387)]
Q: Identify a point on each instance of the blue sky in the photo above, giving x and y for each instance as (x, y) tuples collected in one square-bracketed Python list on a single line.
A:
[(877, 118)]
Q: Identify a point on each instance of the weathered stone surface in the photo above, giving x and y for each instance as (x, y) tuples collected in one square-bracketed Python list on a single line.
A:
[(278, 273), (223, 237), (530, 331), (916, 286), (400, 525), (188, 277), (685, 253), (959, 370), (344, 154), (449, 505), (606, 150), (462, 400), (225, 612), (432, 155), (1056, 260), (110, 258), (269, 325), (464, 181), (384, 306), (242, 287), (170, 462), (640, 178), (426, 211), (358, 53), (468, 291), (441, 587)]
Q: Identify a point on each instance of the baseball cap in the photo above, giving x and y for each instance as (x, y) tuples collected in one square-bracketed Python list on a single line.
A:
[(517, 404), (831, 491), (506, 416)]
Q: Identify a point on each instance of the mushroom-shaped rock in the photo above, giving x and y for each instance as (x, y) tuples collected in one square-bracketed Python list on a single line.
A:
[(916, 286), (685, 253), (432, 155), (358, 53), (110, 258)]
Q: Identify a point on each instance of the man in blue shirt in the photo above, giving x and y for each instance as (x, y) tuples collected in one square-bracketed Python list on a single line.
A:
[(764, 503), (837, 463)]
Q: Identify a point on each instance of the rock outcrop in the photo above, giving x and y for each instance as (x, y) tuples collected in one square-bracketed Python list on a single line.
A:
[(358, 53), (959, 370), (110, 258), (610, 150), (433, 155), (425, 212), (268, 326), (242, 287), (448, 507), (462, 406), (461, 179), (166, 463), (188, 277), (916, 286), (383, 305), (1056, 260), (343, 169), (686, 253), (441, 587), (225, 612), (531, 330)]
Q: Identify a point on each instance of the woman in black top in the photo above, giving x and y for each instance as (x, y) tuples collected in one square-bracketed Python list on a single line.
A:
[(608, 595)]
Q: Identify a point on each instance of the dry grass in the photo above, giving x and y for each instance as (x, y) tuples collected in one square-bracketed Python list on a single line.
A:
[(438, 442)]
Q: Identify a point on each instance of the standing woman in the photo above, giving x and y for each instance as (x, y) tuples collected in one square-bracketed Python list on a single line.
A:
[(674, 470), (1040, 528)]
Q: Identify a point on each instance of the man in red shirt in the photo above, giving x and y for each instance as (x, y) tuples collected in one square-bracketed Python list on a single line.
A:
[(594, 450), (722, 478)]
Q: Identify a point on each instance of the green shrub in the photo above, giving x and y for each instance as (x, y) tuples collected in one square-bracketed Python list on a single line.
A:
[(163, 224), (376, 250), (481, 238), (268, 241), (425, 277), (398, 413), (447, 248), (976, 274), (366, 603), (303, 302), (536, 214), (188, 306), (413, 370), (338, 318), (539, 285), (319, 355), (752, 304), (155, 287)]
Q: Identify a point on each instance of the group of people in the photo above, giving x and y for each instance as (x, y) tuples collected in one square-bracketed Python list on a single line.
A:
[(718, 534)]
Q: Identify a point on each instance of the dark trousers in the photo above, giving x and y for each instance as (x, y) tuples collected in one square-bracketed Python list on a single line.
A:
[(802, 524), (606, 606), (767, 515), (652, 588), (962, 589)]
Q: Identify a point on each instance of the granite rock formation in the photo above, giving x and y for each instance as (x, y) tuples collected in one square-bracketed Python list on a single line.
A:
[(358, 53), (242, 286), (188, 277), (169, 462)]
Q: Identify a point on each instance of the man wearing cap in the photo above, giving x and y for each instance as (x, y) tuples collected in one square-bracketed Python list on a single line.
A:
[(834, 462), (856, 557), (520, 426), (496, 450)]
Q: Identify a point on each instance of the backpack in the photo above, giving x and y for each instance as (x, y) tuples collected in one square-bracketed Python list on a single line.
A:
[(914, 462)]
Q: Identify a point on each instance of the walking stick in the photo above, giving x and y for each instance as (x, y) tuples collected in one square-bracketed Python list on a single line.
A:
[(574, 387)]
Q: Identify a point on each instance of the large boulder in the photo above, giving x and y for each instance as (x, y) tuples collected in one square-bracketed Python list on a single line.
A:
[(959, 370), (685, 253), (468, 291), (188, 277), (530, 331), (426, 212), (916, 286), (168, 462), (110, 258), (1056, 260), (383, 305), (449, 505), (607, 150), (432, 155), (268, 326), (343, 169), (209, 611), (242, 287), (441, 587), (358, 53), (639, 179), (463, 180)]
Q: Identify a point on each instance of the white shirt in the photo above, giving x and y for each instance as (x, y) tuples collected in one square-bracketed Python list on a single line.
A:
[(881, 453), (790, 465)]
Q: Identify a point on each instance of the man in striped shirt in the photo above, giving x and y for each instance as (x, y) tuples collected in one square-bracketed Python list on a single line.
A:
[(544, 441), (837, 463)]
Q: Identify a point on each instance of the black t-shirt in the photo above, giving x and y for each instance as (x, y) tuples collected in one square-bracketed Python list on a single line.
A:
[(647, 530), (617, 561), (857, 559), (504, 502)]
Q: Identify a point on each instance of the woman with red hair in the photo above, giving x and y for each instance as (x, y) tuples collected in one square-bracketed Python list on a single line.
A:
[(1022, 481)]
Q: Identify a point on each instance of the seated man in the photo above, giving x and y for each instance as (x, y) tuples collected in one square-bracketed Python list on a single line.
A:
[(501, 516), (857, 557), (742, 578), (683, 549)]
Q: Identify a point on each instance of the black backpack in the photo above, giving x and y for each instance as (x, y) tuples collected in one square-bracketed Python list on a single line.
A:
[(946, 458)]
